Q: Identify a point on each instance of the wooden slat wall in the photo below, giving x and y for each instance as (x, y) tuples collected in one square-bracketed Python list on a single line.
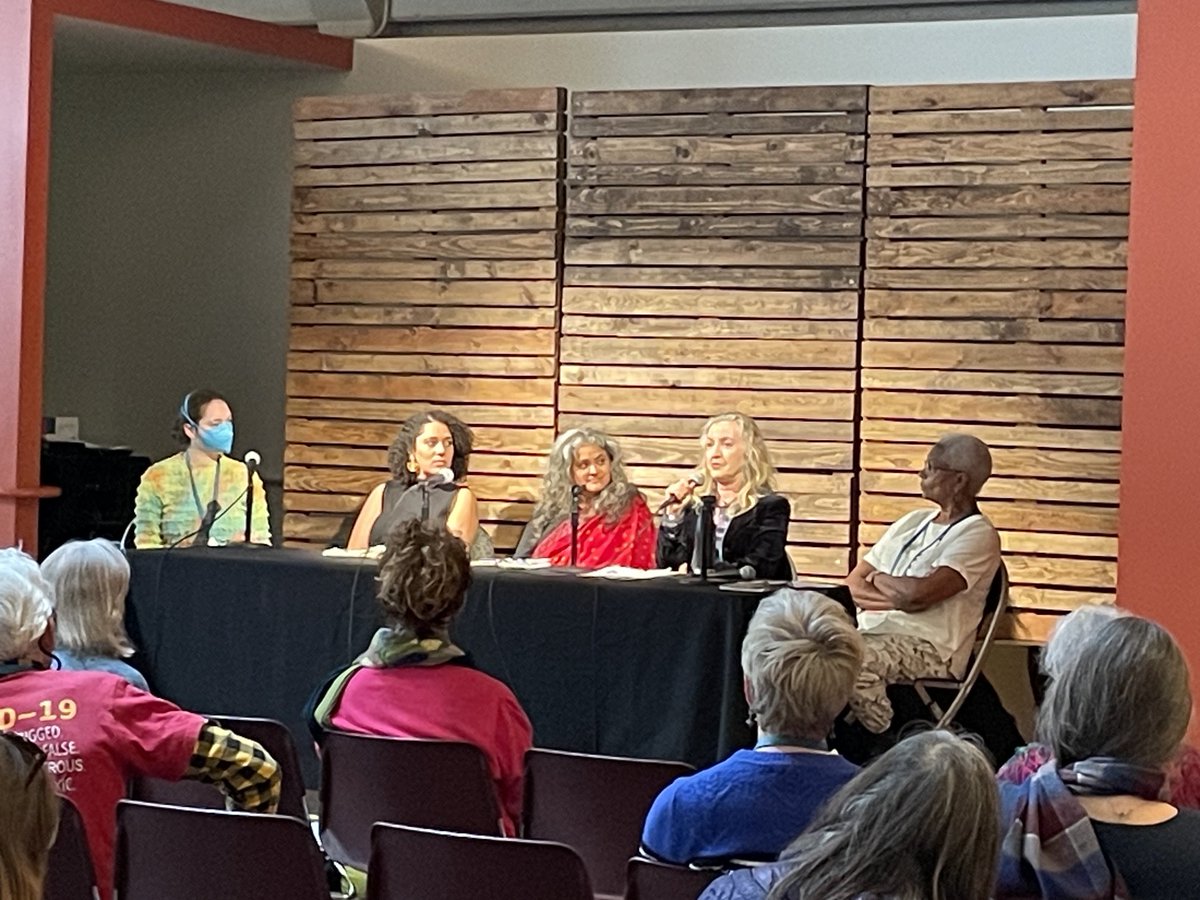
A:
[(425, 247), (713, 253), (997, 224)]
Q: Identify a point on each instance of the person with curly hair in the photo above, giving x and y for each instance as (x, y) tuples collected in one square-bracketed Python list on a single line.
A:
[(412, 682), (750, 520), (615, 525), (428, 460)]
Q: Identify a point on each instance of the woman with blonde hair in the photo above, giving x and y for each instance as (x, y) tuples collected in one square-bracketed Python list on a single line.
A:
[(615, 525), (90, 580), (750, 520), (28, 818)]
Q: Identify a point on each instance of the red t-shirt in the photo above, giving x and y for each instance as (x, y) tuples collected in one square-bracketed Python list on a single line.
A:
[(444, 703), (98, 731)]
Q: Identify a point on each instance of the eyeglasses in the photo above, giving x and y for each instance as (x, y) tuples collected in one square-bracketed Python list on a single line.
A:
[(34, 756), (928, 470)]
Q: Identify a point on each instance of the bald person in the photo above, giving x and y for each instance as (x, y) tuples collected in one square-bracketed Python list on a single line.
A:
[(921, 589)]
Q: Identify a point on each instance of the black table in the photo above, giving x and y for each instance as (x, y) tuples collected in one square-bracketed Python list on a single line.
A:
[(645, 668)]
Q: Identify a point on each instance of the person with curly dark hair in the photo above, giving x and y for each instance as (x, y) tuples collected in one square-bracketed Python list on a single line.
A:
[(428, 460), (412, 682)]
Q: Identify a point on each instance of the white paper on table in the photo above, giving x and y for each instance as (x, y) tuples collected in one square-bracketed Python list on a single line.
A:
[(526, 564), (342, 553), (627, 573)]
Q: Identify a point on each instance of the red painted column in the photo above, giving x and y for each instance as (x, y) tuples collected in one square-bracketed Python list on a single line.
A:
[(1159, 561), (26, 45)]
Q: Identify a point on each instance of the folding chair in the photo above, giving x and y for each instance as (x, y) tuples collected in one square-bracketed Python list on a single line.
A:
[(993, 610), (649, 879), (595, 804), (71, 875), (199, 854), (275, 738), (431, 784), (422, 864)]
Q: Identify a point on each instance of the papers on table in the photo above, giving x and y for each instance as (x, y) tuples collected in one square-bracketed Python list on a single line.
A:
[(625, 573), (342, 553)]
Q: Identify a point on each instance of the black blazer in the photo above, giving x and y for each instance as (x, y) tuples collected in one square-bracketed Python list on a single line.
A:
[(755, 538)]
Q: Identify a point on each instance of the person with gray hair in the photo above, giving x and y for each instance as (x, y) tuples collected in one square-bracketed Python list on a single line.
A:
[(922, 588), (584, 476), (90, 580), (919, 823), (97, 730), (1092, 822), (800, 659)]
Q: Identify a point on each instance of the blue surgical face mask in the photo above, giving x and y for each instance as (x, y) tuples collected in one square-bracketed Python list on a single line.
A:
[(217, 438)]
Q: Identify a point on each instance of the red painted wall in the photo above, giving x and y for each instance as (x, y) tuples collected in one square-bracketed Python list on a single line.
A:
[(1159, 558)]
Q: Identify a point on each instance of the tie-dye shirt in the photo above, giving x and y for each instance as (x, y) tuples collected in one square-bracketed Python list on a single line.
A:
[(167, 508)]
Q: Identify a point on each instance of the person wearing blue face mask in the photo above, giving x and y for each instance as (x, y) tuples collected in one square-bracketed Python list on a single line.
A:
[(200, 485)]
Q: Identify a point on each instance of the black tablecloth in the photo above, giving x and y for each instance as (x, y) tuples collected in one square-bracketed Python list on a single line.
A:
[(646, 668)]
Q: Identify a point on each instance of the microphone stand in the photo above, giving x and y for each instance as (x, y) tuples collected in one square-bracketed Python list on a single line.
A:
[(250, 467), (424, 501), (576, 491), (705, 533)]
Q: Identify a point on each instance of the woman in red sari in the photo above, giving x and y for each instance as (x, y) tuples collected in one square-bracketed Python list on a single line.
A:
[(615, 525)]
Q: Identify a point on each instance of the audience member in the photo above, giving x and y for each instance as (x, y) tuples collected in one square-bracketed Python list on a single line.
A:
[(750, 520), (584, 472), (1071, 635), (1090, 822), (921, 589), (90, 580), (199, 494), (800, 658), (427, 445), (919, 823), (28, 818), (412, 682), (97, 730)]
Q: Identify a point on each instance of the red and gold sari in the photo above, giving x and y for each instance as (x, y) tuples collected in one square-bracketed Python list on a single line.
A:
[(629, 541)]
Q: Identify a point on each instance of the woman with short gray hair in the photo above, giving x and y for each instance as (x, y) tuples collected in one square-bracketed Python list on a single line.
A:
[(800, 659), (91, 579), (1091, 822)]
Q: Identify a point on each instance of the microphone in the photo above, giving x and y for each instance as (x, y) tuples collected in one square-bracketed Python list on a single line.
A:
[(252, 459), (576, 494), (694, 481), (206, 524), (441, 476), (747, 573)]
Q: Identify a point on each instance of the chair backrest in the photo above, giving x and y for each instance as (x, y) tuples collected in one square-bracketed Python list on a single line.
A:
[(198, 854), (71, 875), (422, 864), (649, 879), (596, 804), (275, 738), (430, 784), (993, 611)]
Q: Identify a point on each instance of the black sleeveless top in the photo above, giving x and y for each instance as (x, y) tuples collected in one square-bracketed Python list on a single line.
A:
[(403, 502)]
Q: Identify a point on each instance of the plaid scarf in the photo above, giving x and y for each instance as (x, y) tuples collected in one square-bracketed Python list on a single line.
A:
[(390, 648), (1051, 850)]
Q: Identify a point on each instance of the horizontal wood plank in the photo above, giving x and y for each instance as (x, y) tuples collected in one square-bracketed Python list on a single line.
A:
[(340, 338), (728, 100), (714, 351), (359, 106), (1023, 410), (1109, 92), (729, 304), (996, 304), (992, 357)]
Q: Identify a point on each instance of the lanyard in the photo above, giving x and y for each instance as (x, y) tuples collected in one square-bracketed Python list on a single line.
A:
[(200, 509), (917, 535)]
